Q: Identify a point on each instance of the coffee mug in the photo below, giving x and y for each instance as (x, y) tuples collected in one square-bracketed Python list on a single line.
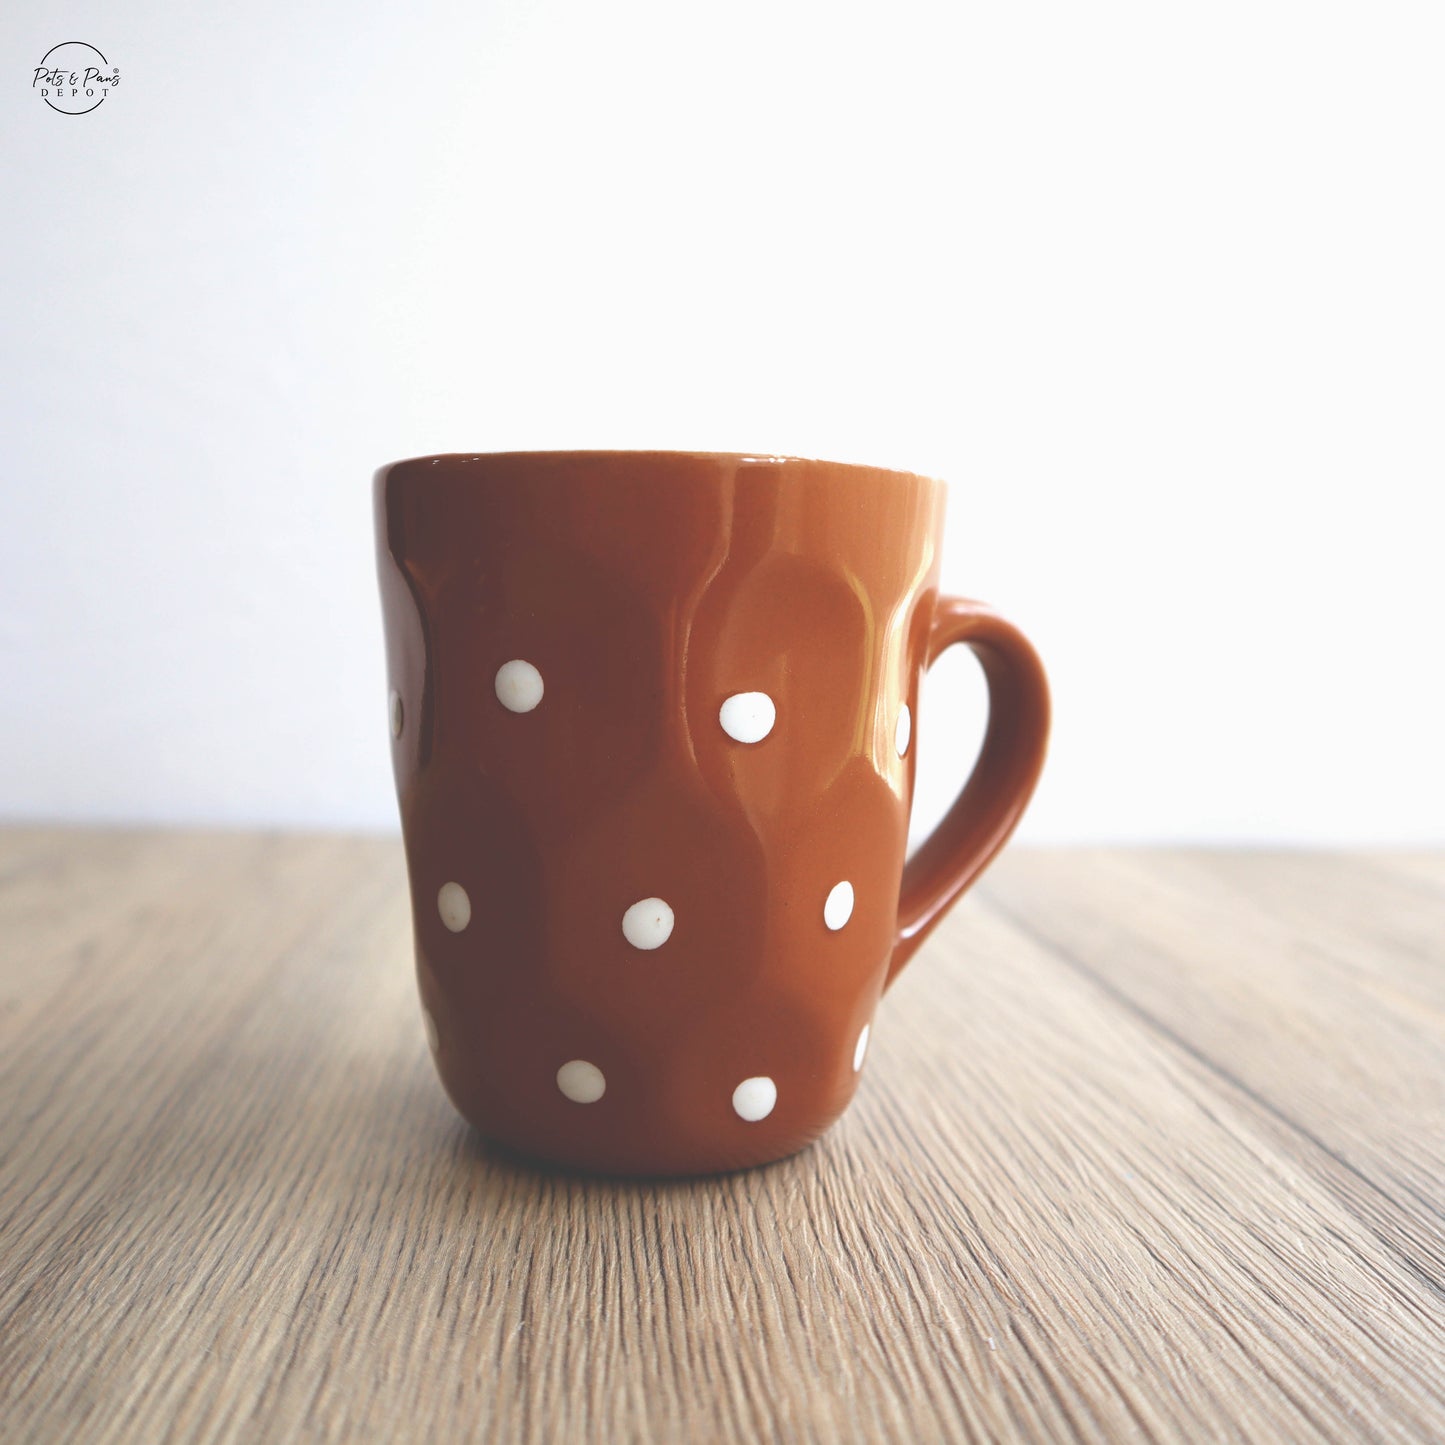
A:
[(653, 722)]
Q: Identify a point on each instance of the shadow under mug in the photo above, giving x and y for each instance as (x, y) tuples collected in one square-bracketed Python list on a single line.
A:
[(653, 733)]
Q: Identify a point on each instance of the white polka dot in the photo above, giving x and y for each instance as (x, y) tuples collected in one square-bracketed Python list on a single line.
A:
[(395, 702), (519, 686), (839, 907), (648, 923), (581, 1082), (753, 1099), (860, 1048), (903, 733), (433, 1039), (454, 906), (748, 717)]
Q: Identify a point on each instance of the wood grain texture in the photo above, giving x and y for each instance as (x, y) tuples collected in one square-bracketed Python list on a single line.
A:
[(1149, 1147)]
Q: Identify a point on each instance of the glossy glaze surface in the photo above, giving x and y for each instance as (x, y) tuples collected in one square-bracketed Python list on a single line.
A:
[(654, 776)]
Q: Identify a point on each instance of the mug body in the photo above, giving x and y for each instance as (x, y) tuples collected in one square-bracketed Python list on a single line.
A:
[(652, 733)]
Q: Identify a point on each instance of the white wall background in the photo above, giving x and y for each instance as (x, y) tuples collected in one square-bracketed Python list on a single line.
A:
[(1160, 289)]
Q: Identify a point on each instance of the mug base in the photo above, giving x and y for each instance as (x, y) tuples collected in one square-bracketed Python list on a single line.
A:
[(498, 1151), (572, 1142)]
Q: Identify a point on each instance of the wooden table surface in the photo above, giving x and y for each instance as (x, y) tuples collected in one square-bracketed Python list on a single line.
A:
[(1150, 1145)]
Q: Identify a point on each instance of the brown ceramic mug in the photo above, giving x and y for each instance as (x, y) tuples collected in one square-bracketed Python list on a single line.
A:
[(652, 722)]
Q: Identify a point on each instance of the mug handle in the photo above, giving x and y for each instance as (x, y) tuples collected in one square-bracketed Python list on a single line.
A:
[(993, 798)]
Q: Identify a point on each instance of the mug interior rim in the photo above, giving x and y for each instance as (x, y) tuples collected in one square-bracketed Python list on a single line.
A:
[(739, 458)]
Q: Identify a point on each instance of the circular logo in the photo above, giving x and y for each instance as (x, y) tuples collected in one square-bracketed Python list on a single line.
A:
[(74, 78)]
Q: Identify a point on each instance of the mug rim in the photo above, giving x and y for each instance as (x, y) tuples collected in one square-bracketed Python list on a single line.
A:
[(739, 458)]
